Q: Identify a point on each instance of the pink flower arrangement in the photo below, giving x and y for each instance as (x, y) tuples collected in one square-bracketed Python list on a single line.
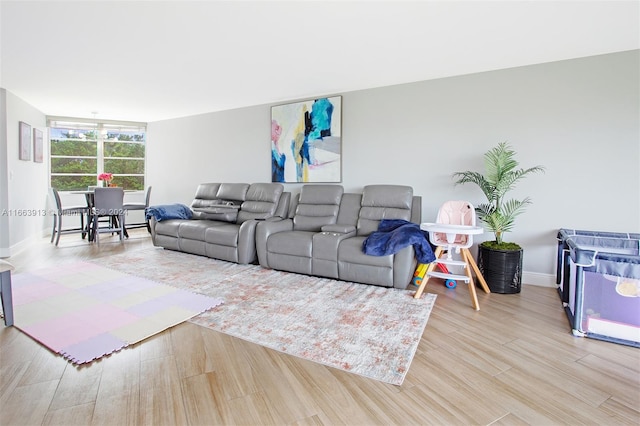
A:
[(107, 177)]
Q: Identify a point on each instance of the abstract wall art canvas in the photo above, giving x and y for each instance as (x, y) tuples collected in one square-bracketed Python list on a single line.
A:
[(306, 141)]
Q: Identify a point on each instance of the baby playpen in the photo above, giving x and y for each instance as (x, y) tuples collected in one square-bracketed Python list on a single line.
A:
[(598, 277)]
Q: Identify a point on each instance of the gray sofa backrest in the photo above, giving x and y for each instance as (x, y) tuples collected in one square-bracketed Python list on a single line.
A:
[(416, 209), (236, 192), (261, 201), (219, 201), (318, 205), (210, 194), (205, 193), (282, 211), (383, 202), (349, 209)]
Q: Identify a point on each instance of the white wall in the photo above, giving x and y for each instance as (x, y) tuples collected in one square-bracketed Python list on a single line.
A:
[(23, 184), (4, 177), (578, 118)]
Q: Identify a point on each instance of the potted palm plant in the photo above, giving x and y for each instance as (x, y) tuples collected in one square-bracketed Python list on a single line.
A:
[(500, 262)]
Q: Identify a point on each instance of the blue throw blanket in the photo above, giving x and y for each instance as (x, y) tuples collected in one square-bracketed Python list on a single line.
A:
[(393, 235), (169, 211)]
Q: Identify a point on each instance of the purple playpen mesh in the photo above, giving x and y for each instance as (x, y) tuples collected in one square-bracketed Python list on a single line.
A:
[(604, 296)]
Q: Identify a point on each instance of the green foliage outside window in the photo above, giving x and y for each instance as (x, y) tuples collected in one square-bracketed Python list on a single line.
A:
[(74, 147), (72, 183), (124, 167), (75, 161), (129, 182), (74, 165), (120, 149)]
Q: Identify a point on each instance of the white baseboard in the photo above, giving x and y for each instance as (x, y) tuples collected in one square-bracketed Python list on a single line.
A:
[(24, 244), (539, 279)]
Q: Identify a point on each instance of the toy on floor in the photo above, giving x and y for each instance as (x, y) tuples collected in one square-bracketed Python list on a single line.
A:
[(421, 271)]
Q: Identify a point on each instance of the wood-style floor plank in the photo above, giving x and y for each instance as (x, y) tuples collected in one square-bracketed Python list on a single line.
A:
[(204, 403), (161, 393), (78, 386), (514, 362), (118, 398)]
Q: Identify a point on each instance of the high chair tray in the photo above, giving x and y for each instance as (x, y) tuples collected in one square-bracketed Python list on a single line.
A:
[(451, 229)]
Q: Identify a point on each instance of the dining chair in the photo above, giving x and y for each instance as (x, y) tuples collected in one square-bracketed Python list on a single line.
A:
[(92, 188), (5, 292), (139, 206), (60, 210), (108, 202)]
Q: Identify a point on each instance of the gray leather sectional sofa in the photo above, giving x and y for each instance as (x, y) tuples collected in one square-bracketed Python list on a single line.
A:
[(225, 216), (318, 232), (326, 230)]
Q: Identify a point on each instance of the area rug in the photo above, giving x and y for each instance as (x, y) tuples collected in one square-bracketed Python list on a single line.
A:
[(84, 311), (363, 329)]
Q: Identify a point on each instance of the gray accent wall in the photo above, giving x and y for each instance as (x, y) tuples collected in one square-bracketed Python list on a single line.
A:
[(578, 118)]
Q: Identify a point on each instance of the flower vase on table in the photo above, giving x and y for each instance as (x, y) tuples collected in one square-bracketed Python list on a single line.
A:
[(107, 178)]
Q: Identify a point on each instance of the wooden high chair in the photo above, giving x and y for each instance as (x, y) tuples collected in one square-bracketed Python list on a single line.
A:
[(453, 231)]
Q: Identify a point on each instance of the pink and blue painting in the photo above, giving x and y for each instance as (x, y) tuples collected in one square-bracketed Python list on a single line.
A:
[(306, 141)]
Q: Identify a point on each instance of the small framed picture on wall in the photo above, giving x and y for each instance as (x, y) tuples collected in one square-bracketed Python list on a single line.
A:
[(37, 145), (25, 141)]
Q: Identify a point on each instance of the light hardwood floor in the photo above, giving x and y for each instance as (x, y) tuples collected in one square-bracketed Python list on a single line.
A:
[(514, 362)]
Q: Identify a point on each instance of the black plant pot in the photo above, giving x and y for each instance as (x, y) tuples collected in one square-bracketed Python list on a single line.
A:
[(502, 269)]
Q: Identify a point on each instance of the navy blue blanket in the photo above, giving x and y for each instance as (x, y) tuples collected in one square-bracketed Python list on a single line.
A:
[(393, 235), (169, 211)]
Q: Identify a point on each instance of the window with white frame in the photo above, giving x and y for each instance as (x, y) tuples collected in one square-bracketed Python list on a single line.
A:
[(81, 150)]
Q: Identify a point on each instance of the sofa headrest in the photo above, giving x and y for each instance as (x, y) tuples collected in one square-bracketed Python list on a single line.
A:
[(261, 201), (233, 191), (383, 202), (318, 205), (393, 196), (207, 191), (269, 192), (321, 194)]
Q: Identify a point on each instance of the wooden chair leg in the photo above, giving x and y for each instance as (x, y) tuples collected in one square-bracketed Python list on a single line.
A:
[(423, 284), (472, 285), (474, 265)]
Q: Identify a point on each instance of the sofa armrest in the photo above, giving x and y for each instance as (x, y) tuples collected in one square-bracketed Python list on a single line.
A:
[(404, 265), (246, 241), (264, 230), (152, 228), (326, 243), (339, 229), (272, 219)]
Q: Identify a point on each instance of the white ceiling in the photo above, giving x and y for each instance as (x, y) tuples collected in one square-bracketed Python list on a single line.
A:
[(153, 60)]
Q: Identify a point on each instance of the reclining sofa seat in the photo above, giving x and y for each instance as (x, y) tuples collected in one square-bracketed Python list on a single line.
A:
[(224, 220), (396, 270), (288, 244), (320, 240)]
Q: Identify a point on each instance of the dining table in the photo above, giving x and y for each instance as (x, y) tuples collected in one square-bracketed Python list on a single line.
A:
[(89, 196)]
